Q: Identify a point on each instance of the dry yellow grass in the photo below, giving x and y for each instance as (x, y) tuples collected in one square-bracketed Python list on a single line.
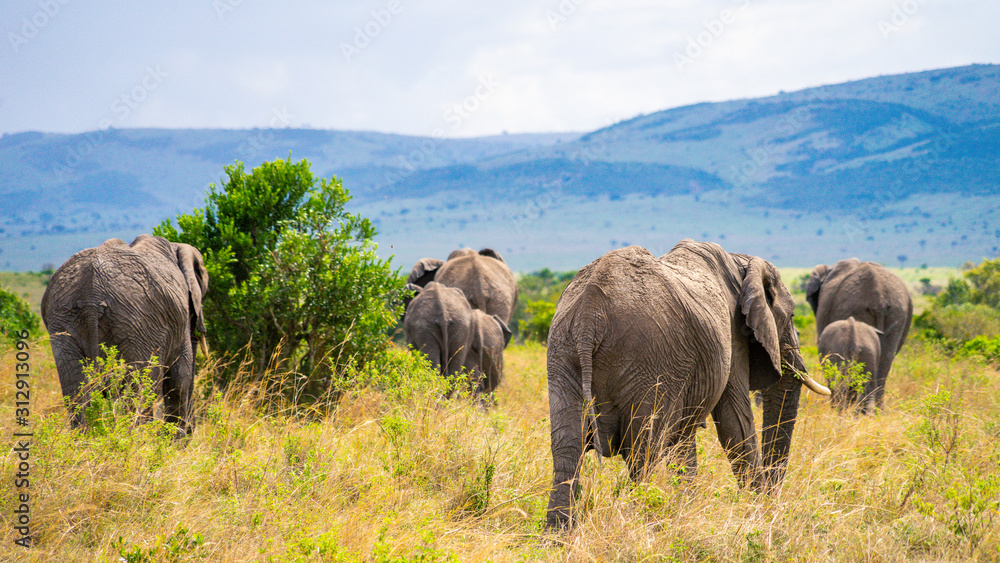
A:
[(421, 478)]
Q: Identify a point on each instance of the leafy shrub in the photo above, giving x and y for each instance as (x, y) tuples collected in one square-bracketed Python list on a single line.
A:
[(981, 286), (957, 292), (175, 547), (986, 348), (543, 285), (16, 315), (958, 323), (295, 281), (399, 374), (120, 395), (985, 281), (538, 319)]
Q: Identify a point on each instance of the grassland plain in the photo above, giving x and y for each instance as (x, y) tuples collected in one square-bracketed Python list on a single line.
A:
[(398, 473)]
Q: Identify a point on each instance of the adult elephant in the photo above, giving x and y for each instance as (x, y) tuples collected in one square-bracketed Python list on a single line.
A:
[(847, 343), (871, 294), (484, 278), (642, 349), (144, 298), (454, 336)]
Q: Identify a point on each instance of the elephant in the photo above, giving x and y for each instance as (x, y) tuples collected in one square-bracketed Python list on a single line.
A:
[(483, 277), (422, 273), (144, 298), (642, 349), (850, 342), (871, 294), (454, 336)]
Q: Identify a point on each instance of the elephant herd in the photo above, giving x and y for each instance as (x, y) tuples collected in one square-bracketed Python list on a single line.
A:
[(640, 351), (459, 314)]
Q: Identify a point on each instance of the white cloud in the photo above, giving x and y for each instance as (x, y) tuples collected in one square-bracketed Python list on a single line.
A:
[(599, 61)]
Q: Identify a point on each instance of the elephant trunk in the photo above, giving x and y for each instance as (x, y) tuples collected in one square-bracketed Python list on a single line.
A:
[(781, 406)]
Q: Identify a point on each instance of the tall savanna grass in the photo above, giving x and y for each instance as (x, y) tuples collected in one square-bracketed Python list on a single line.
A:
[(390, 469)]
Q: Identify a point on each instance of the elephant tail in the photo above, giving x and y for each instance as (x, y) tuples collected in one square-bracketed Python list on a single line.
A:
[(585, 349), (92, 317)]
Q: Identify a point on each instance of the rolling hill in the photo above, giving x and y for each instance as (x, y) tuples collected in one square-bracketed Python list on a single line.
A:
[(901, 169)]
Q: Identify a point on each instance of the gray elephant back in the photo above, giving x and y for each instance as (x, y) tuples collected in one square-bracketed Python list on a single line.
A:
[(438, 323), (120, 285), (488, 283), (848, 339), (867, 291)]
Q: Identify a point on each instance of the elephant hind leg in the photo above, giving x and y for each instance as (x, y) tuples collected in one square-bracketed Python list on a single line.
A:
[(69, 358), (567, 427), (178, 386)]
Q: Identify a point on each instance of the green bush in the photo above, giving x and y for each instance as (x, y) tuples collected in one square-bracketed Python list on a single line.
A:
[(959, 323), (980, 286), (15, 316), (294, 279), (957, 292), (543, 285), (986, 348), (538, 319)]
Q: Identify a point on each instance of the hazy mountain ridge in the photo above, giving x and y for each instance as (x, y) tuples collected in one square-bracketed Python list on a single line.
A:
[(861, 150)]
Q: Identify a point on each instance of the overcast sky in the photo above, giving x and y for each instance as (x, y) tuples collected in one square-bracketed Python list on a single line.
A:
[(458, 67)]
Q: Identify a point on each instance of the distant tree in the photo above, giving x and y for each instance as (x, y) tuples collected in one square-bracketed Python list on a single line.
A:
[(956, 292), (979, 286), (294, 279), (985, 280)]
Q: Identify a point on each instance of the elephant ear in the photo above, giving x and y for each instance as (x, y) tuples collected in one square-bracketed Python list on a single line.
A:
[(814, 284), (424, 271), (504, 329), (491, 253), (416, 289), (192, 265), (757, 300)]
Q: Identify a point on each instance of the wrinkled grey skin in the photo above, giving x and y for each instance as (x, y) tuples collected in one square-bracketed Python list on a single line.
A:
[(484, 278), (420, 275), (143, 298), (849, 342), (655, 345), (454, 336), (871, 294)]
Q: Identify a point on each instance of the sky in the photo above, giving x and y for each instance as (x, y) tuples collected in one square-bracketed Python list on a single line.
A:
[(453, 68)]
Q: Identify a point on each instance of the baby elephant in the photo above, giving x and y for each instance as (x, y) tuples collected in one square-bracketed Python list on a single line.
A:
[(850, 342), (440, 323)]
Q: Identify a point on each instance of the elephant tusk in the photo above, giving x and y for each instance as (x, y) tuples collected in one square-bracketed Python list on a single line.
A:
[(811, 383), (203, 342)]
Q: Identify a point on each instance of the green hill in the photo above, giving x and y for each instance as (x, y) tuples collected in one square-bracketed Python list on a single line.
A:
[(900, 169)]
